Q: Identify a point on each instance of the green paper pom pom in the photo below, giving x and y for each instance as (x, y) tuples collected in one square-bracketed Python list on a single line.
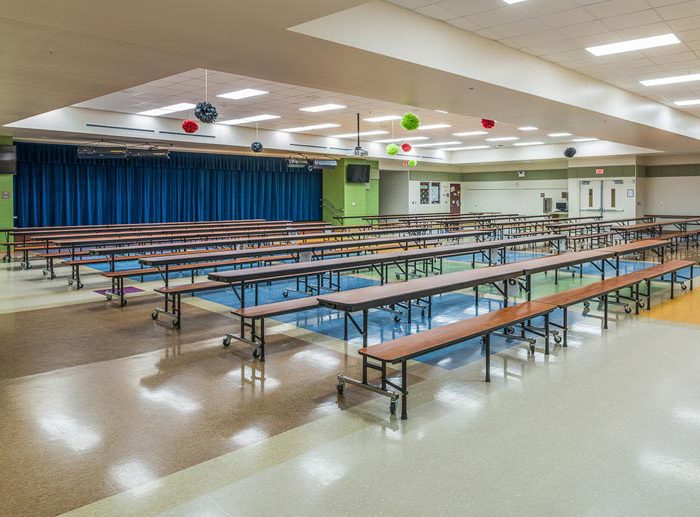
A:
[(412, 163), (410, 121), (392, 149)]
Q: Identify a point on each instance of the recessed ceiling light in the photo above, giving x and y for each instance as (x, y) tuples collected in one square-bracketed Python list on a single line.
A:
[(691, 102), (242, 94), (471, 133), (246, 120), (433, 144), (442, 111), (557, 135), (409, 139), (522, 144), (433, 126), (174, 108), (502, 139), (584, 139), (634, 44), (323, 107), (362, 133), (309, 128), (468, 148), (510, 2), (671, 80), (384, 118), (528, 128)]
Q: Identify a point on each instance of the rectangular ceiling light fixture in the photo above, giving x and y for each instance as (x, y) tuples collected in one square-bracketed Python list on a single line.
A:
[(409, 139), (557, 135), (242, 94), (471, 133), (174, 108), (584, 139), (309, 128), (384, 118), (323, 107), (634, 44), (511, 2), (247, 120), (523, 144), (441, 111), (691, 102), (671, 80), (528, 128), (433, 144), (468, 148), (502, 139), (362, 133), (434, 126)]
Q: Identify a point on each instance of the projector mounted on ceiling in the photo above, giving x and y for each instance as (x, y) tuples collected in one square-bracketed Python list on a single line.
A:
[(359, 151)]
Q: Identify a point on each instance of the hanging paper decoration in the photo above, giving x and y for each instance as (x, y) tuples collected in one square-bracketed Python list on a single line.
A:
[(410, 121), (189, 126), (488, 124), (206, 112), (412, 163), (392, 149), (406, 147), (256, 147), (570, 152)]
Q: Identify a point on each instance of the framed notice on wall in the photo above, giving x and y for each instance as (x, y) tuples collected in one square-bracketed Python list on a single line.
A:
[(424, 193), (435, 193)]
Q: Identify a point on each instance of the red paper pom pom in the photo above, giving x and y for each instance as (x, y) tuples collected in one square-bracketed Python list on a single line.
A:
[(488, 124), (189, 126), (406, 147)]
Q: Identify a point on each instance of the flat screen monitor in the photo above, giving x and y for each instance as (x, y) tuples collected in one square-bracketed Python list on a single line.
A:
[(561, 207), (8, 159), (357, 173)]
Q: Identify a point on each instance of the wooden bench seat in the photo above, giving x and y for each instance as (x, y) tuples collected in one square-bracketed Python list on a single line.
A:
[(259, 313), (408, 347)]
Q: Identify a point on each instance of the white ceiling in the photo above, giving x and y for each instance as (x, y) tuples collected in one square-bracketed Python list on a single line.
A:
[(285, 100), (560, 30)]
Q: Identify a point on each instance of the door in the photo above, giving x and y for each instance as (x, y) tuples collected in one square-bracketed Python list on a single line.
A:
[(613, 204), (590, 198), (455, 198)]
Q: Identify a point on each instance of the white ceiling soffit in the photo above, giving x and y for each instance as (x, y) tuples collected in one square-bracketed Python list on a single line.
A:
[(483, 76)]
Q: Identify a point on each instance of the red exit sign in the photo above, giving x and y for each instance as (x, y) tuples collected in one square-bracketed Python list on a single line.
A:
[(600, 171)]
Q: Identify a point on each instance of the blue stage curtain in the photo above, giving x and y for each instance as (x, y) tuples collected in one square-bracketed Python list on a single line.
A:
[(54, 187)]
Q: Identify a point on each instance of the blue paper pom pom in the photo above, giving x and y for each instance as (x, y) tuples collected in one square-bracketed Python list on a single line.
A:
[(206, 112)]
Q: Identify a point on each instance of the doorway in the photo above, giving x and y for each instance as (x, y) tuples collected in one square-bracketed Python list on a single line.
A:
[(455, 198), (601, 197)]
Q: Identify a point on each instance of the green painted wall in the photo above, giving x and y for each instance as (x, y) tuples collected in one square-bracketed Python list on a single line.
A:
[(611, 171), (547, 174), (350, 199), (7, 210), (668, 171)]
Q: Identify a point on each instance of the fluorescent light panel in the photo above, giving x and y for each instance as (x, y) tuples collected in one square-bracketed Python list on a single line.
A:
[(247, 120), (242, 94), (502, 139), (523, 144), (174, 108), (434, 126), (634, 44), (468, 148), (471, 133), (442, 111), (584, 139), (309, 128), (511, 2), (691, 102), (528, 128), (362, 133), (557, 135), (671, 80), (323, 107), (409, 139), (383, 118), (433, 144)]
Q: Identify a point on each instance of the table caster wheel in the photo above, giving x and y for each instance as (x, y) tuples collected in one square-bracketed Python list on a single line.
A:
[(557, 339), (586, 304), (226, 341), (80, 285), (123, 302), (684, 287), (340, 387), (392, 406), (176, 323), (108, 297), (70, 282), (154, 315), (29, 266), (509, 330), (256, 353), (285, 293), (397, 317), (628, 309), (641, 305)]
